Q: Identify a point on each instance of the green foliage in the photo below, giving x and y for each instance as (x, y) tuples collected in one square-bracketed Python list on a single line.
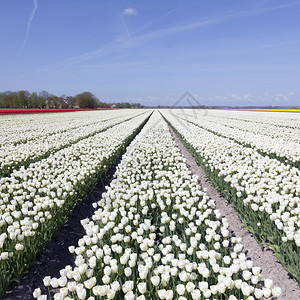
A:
[(86, 100), (23, 99)]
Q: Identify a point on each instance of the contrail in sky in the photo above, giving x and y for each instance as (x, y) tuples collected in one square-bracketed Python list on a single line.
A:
[(29, 23), (125, 26)]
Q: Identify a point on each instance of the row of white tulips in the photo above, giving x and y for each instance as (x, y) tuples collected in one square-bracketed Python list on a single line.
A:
[(275, 131), (36, 200), (13, 156), (265, 191), (277, 119), (279, 147), (156, 235), (22, 128)]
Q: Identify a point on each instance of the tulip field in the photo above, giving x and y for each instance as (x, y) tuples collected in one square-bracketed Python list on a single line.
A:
[(155, 233), (255, 165), (47, 170)]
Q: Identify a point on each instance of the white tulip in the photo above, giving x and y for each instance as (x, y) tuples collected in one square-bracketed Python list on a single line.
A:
[(180, 289)]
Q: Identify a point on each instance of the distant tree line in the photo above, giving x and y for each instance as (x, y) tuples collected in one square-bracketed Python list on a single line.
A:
[(43, 99)]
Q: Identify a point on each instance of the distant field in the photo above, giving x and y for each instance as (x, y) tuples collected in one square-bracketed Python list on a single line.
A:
[(265, 109), (36, 110)]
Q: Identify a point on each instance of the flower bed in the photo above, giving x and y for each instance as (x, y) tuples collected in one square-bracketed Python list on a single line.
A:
[(44, 110)]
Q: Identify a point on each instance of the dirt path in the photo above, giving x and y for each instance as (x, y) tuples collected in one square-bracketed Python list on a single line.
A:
[(271, 267)]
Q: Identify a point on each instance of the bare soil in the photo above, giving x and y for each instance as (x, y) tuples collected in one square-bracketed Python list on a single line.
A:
[(261, 256)]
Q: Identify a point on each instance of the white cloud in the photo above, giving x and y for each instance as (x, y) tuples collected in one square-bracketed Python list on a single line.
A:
[(129, 11)]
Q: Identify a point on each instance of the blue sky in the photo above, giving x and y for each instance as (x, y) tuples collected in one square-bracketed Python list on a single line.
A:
[(223, 52)]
